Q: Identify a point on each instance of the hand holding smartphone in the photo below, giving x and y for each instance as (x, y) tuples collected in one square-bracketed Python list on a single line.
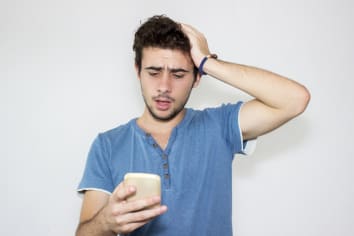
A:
[(146, 184)]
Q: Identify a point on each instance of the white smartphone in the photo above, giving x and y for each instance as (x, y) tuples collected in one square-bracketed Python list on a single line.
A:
[(147, 185)]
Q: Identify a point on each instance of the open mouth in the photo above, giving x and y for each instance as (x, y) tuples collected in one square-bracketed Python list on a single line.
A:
[(163, 105)]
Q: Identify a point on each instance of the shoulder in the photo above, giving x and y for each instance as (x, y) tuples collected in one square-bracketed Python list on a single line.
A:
[(120, 129), (217, 112), (118, 133)]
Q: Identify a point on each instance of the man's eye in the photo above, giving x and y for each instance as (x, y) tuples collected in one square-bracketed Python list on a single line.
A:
[(153, 74), (178, 76)]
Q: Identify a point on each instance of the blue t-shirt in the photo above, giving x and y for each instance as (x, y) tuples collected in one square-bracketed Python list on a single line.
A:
[(195, 169)]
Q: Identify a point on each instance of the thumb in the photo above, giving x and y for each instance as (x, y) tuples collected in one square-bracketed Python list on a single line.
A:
[(122, 191)]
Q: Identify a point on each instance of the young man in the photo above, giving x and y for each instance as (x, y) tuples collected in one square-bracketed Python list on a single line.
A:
[(191, 150)]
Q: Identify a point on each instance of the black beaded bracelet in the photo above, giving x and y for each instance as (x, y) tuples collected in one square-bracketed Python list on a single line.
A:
[(200, 69)]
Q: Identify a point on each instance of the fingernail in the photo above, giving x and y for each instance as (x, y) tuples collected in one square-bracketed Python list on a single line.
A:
[(163, 209), (131, 189)]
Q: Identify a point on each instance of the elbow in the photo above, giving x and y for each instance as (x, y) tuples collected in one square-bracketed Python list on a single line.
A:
[(301, 99)]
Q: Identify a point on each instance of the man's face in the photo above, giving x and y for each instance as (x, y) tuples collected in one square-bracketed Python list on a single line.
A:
[(166, 79)]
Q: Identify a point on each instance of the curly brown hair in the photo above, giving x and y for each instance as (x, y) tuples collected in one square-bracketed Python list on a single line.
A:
[(162, 32)]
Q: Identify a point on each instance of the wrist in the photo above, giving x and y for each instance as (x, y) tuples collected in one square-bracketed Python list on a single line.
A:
[(203, 61), (103, 219)]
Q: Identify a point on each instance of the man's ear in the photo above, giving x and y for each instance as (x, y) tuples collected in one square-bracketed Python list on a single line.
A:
[(197, 80)]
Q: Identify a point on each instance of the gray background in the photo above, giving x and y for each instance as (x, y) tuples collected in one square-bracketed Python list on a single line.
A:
[(66, 73)]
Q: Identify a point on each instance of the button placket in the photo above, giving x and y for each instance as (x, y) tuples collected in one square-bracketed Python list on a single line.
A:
[(164, 161), (166, 170)]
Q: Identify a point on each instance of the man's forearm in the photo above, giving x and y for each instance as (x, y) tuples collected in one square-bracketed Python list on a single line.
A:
[(272, 89), (93, 227)]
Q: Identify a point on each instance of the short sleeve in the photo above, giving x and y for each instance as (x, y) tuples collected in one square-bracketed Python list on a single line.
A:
[(232, 130), (97, 173)]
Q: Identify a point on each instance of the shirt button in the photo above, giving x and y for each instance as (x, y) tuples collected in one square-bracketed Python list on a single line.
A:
[(164, 156), (165, 166), (155, 145), (167, 176)]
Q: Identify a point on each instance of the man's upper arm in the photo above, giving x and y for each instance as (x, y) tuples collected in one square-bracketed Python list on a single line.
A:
[(256, 119), (93, 202)]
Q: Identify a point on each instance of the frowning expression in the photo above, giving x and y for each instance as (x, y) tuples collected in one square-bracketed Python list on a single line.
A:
[(166, 79)]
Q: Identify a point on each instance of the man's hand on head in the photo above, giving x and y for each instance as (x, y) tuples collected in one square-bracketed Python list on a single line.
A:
[(199, 44)]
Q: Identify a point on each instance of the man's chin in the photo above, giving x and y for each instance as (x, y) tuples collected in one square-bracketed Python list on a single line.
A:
[(168, 116), (164, 118)]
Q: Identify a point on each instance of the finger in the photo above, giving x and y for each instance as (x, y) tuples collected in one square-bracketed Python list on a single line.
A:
[(141, 216), (138, 205), (146, 215), (188, 28), (191, 31), (128, 228), (122, 192)]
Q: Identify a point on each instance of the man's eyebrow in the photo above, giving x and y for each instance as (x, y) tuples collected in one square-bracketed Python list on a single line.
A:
[(172, 70), (153, 68), (175, 70)]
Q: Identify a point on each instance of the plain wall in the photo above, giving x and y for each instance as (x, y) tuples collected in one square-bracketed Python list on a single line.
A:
[(66, 73)]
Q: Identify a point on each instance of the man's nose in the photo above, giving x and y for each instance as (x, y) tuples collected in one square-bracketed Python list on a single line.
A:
[(164, 83)]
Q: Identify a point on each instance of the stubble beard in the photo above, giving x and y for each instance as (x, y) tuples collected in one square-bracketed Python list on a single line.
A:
[(175, 111)]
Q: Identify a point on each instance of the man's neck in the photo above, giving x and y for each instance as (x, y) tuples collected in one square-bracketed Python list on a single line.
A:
[(154, 126), (158, 129)]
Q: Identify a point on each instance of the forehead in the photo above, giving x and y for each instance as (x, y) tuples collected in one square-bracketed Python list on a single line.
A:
[(171, 58)]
